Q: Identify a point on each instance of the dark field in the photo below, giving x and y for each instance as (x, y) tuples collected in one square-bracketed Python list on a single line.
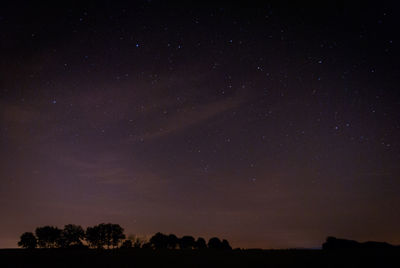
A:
[(194, 258)]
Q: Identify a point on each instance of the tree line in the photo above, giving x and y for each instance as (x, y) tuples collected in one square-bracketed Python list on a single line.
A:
[(333, 243), (107, 236)]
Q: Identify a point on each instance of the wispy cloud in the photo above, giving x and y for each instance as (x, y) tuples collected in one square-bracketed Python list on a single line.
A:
[(111, 169), (177, 121), (145, 110)]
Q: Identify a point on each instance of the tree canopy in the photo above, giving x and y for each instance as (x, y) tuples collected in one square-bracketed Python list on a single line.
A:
[(187, 242), (201, 243), (28, 240), (159, 241), (105, 235), (72, 235), (48, 236)]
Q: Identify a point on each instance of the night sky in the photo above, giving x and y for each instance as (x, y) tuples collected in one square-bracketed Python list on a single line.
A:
[(272, 126)]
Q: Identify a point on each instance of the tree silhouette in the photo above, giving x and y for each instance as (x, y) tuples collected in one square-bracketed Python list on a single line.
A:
[(333, 243), (172, 241), (108, 235), (214, 243), (28, 240), (48, 236), (159, 241), (200, 243), (187, 242), (72, 235), (94, 237), (225, 245), (117, 234), (105, 234)]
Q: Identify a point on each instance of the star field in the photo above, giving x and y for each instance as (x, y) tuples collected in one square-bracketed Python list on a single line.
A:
[(273, 126)]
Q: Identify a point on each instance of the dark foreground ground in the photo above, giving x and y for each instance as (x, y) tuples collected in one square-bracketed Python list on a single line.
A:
[(236, 258)]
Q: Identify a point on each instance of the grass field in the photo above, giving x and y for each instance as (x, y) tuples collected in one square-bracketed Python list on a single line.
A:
[(194, 258)]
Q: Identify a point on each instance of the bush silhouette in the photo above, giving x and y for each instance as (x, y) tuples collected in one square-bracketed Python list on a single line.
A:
[(137, 242), (28, 240), (127, 244), (147, 245)]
